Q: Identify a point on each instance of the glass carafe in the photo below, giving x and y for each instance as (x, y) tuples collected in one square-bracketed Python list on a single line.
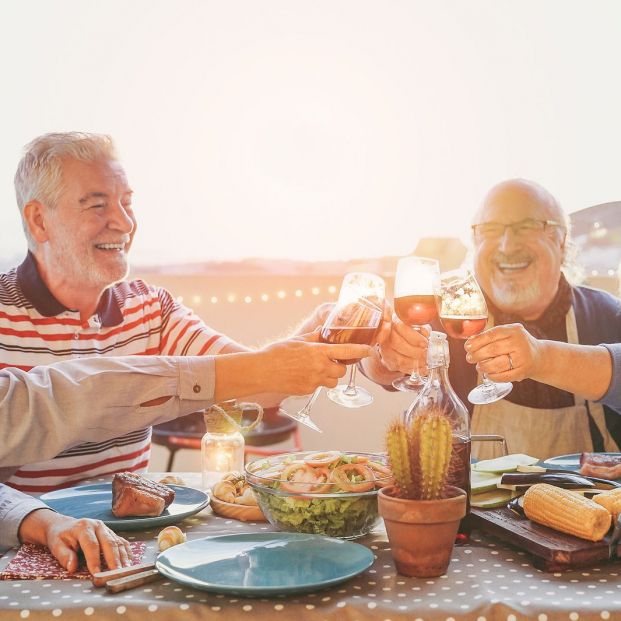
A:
[(222, 446)]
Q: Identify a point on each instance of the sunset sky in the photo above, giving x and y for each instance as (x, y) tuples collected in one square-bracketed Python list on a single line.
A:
[(321, 129)]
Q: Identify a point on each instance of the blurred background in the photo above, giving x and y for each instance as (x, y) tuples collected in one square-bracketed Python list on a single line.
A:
[(275, 145)]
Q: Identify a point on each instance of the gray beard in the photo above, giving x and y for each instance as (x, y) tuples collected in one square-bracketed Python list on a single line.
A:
[(89, 274), (513, 299)]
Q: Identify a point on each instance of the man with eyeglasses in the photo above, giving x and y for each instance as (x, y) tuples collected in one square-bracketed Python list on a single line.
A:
[(521, 237)]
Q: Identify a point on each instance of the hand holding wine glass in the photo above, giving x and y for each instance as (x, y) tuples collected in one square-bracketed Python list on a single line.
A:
[(415, 304), (463, 313), (354, 319)]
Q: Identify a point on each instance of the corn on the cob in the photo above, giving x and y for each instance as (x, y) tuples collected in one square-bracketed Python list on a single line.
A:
[(566, 511), (610, 500)]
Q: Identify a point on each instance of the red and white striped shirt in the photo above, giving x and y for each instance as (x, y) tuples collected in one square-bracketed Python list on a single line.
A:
[(133, 318)]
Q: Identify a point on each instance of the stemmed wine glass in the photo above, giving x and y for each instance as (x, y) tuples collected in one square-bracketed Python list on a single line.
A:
[(415, 304), (355, 318), (463, 313)]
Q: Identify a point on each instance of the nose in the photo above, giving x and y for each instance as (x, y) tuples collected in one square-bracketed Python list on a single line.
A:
[(121, 219), (508, 240)]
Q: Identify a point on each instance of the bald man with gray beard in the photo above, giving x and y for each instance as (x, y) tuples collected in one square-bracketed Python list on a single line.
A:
[(521, 236)]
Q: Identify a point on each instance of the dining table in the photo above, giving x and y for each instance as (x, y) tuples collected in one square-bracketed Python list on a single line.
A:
[(487, 580)]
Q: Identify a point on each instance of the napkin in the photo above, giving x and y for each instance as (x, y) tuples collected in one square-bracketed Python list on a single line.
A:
[(34, 562)]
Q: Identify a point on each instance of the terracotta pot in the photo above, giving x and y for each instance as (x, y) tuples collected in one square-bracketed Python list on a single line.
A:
[(422, 532)]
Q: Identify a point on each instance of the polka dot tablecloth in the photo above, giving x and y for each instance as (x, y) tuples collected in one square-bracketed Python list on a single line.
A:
[(486, 581)]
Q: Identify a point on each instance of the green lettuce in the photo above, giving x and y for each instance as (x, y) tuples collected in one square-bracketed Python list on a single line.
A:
[(347, 517)]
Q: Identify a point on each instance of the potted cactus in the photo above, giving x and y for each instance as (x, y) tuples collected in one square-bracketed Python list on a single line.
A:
[(421, 511)]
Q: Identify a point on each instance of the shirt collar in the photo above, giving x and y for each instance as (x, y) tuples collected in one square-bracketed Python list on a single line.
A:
[(43, 300)]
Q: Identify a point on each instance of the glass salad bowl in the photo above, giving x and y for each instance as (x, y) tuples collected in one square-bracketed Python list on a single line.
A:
[(331, 493)]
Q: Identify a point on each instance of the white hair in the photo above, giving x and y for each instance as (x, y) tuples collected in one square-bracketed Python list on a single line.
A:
[(39, 172)]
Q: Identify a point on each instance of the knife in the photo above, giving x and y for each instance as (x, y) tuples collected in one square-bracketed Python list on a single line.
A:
[(116, 580)]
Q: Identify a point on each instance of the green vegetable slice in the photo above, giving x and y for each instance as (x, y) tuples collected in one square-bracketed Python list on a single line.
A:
[(507, 463), (483, 481), (493, 499)]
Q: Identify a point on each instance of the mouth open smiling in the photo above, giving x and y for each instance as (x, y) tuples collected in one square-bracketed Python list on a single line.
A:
[(513, 267), (115, 247)]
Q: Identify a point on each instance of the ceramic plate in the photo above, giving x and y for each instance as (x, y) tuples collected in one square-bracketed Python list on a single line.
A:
[(95, 501), (264, 564), (569, 462)]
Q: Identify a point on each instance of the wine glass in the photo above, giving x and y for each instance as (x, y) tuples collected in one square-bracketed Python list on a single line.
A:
[(463, 313), (415, 304), (355, 318)]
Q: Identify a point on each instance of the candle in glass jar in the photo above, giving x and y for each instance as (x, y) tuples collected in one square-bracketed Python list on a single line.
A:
[(221, 453)]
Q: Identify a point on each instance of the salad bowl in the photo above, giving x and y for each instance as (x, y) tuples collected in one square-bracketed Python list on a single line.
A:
[(331, 493)]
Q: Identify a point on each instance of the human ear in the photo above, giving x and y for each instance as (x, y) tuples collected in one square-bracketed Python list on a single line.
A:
[(34, 218)]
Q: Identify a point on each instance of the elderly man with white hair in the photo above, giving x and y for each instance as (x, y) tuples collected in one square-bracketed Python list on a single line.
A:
[(521, 237), (70, 298)]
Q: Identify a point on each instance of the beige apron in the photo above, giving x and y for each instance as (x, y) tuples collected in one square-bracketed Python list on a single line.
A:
[(537, 432)]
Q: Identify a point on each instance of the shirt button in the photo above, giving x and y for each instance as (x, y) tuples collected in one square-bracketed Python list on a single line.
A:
[(196, 388), (76, 336)]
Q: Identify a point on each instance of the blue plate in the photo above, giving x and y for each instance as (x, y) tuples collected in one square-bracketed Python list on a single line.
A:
[(95, 501), (264, 564), (569, 462)]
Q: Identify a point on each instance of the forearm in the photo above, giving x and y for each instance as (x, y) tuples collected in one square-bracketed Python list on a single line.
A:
[(241, 375), (584, 370), (51, 408)]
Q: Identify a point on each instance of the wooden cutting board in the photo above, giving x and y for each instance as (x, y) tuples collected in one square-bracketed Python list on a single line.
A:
[(551, 550)]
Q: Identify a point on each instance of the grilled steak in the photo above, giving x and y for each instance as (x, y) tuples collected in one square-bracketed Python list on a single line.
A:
[(133, 495), (601, 466)]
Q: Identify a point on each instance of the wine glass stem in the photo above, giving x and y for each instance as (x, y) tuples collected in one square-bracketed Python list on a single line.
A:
[(305, 411), (488, 386), (351, 391), (415, 376)]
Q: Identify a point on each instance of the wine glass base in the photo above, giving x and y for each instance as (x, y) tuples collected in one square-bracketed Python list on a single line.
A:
[(358, 400), (482, 395), (407, 384), (304, 419)]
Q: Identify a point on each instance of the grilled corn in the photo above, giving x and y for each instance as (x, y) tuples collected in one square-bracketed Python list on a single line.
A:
[(566, 511), (610, 500)]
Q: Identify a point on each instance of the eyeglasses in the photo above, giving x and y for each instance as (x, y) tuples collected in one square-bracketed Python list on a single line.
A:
[(523, 228)]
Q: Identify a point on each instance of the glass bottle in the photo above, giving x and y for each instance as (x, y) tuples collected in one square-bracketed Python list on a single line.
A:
[(222, 446), (438, 393)]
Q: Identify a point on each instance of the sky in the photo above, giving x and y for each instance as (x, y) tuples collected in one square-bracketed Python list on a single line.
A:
[(323, 129)]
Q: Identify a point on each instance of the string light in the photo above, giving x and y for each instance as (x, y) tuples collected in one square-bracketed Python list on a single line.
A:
[(266, 297)]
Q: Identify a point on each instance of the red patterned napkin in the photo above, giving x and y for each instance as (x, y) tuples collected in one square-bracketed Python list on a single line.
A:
[(33, 562)]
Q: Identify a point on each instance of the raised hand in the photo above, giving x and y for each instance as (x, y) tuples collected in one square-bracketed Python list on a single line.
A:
[(505, 353)]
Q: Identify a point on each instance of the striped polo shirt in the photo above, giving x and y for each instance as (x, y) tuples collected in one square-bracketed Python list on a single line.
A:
[(132, 318)]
